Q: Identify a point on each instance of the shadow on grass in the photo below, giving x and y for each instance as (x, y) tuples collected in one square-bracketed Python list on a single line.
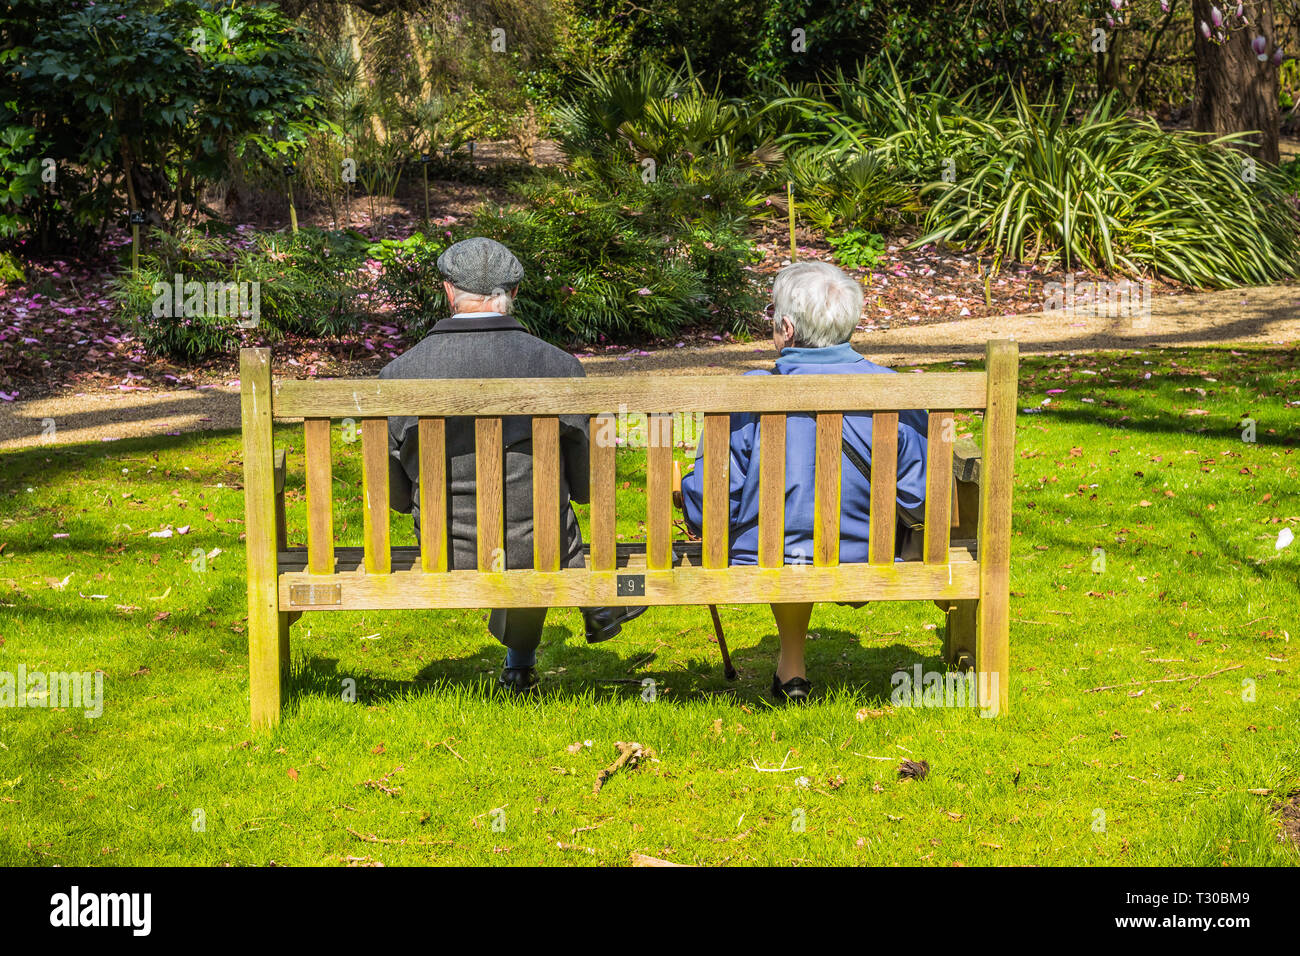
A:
[(868, 677)]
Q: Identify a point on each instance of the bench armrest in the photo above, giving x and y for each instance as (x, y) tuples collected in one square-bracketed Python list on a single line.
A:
[(277, 483), (966, 458)]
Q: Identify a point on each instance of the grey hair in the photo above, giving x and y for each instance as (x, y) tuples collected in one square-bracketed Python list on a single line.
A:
[(823, 303), (498, 300)]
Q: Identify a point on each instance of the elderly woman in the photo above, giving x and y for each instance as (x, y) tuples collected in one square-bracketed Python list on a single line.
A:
[(815, 307)]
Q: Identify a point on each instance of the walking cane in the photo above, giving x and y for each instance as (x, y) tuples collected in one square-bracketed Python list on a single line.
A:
[(728, 669)]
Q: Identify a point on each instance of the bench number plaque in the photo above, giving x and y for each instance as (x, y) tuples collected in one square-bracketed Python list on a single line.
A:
[(631, 585)]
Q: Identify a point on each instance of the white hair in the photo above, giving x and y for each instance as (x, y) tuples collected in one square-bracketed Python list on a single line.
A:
[(823, 303), (498, 300)]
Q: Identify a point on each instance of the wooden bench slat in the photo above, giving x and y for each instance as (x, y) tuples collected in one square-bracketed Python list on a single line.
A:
[(826, 494), (339, 398), (432, 436), (659, 492), (884, 487), (546, 493), (938, 487), (771, 490), (716, 489), (320, 494), (579, 587), (629, 555), (602, 473), (489, 494), (374, 475)]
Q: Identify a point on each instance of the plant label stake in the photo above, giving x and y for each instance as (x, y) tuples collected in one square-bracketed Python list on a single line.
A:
[(424, 164), (137, 220), (789, 195), (288, 188)]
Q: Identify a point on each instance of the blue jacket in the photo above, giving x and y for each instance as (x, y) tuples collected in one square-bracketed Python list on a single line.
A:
[(800, 446)]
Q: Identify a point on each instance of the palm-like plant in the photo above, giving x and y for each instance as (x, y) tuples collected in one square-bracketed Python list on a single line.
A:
[(1110, 192)]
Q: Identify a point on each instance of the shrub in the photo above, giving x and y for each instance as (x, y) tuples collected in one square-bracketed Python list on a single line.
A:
[(617, 261), (307, 285), (410, 281), (856, 249), (162, 95), (1121, 194), (841, 189), (666, 125)]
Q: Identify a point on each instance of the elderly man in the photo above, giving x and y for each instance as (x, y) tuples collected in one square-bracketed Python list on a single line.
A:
[(481, 340), (814, 310)]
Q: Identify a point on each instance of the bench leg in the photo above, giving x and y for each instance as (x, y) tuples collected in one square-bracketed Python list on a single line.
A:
[(992, 627), (268, 666), (959, 635)]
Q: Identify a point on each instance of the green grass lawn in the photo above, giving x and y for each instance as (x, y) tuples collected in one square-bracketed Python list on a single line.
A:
[(429, 765)]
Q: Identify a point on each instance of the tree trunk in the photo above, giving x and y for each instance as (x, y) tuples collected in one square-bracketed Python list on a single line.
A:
[(1234, 91), (353, 34), (417, 50)]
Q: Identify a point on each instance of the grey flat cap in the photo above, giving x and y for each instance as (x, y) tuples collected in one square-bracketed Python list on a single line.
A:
[(480, 266)]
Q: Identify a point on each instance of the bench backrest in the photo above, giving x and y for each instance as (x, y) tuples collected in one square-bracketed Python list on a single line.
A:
[(828, 397)]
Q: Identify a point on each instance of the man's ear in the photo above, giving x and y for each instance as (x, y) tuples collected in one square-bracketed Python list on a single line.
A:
[(787, 328), (448, 288), (514, 292)]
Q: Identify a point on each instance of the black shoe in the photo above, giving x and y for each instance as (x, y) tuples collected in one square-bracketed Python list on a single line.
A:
[(604, 622), (793, 691), (518, 680)]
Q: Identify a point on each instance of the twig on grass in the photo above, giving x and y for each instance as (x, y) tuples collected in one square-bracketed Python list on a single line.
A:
[(443, 743), (1165, 680), (371, 838), (781, 769), (653, 653), (629, 755)]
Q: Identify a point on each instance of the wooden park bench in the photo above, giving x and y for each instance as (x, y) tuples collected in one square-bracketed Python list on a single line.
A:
[(964, 566)]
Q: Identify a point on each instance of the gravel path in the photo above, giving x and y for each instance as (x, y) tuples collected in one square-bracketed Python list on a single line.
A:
[(1265, 315)]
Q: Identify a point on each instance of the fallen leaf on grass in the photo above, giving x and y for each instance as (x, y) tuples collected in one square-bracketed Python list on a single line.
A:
[(912, 770)]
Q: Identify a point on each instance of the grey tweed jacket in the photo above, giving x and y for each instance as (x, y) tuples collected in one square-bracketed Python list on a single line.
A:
[(489, 346)]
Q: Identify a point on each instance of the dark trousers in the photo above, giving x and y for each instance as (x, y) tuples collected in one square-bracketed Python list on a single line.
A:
[(519, 628)]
